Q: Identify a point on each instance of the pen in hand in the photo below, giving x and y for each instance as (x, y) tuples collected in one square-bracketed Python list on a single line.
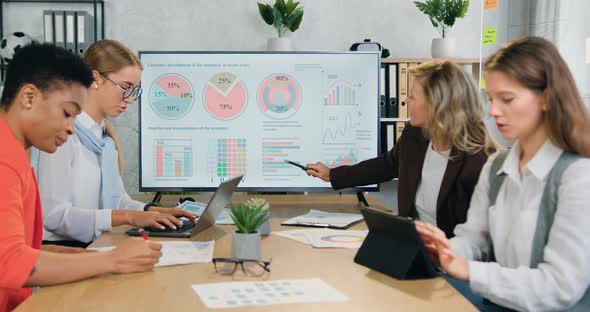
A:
[(144, 234)]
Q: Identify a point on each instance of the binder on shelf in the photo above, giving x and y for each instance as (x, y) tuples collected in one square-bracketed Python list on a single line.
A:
[(410, 76), (84, 31), (48, 26), (392, 108), (399, 128), (70, 36), (382, 91), (402, 77), (60, 25), (390, 132)]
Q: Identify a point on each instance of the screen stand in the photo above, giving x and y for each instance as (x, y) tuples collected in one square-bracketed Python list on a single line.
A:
[(362, 199), (157, 198)]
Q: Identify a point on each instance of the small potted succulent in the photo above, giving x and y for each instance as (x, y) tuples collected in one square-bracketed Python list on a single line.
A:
[(442, 15), (282, 16), (246, 239), (264, 229)]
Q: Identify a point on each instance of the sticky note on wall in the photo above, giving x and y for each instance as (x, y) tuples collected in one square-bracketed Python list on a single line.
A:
[(490, 4), (489, 36)]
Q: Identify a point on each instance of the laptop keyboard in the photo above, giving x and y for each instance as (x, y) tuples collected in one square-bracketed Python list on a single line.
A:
[(186, 225)]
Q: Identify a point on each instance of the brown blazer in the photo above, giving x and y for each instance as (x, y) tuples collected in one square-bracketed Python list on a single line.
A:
[(405, 161)]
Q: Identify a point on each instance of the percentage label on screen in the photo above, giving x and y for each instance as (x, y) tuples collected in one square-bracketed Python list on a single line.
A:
[(186, 95), (282, 78), (225, 106), (173, 85), (224, 81)]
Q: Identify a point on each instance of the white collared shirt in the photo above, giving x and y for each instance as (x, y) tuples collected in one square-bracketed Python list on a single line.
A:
[(564, 275), (69, 185), (433, 171)]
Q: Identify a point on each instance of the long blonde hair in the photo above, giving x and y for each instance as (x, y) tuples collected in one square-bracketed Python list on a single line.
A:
[(536, 63), (109, 56), (456, 110)]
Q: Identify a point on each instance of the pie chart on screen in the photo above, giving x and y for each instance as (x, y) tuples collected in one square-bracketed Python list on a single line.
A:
[(279, 96), (225, 96), (171, 96)]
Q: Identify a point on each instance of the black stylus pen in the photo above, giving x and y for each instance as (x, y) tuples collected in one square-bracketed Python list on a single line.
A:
[(302, 167)]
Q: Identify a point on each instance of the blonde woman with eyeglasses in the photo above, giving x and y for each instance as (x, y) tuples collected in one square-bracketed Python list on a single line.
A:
[(81, 188)]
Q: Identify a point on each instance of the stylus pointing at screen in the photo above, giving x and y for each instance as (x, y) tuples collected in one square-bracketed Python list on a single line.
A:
[(300, 166)]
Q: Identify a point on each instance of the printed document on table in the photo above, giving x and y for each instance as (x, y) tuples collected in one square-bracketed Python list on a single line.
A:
[(174, 253), (325, 219), (242, 294)]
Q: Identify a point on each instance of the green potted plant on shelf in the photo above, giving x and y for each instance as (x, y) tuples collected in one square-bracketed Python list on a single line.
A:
[(248, 217), (282, 16), (443, 14)]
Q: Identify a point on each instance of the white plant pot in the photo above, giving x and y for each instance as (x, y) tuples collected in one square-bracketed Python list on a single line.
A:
[(264, 229), (443, 48), (246, 246), (279, 44)]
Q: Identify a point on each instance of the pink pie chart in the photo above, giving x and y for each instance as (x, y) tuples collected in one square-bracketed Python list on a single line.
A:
[(225, 97)]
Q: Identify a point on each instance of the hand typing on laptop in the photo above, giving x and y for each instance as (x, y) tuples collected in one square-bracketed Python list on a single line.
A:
[(176, 212), (158, 220), (188, 229)]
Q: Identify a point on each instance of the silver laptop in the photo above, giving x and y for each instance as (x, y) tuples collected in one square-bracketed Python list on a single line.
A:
[(188, 229)]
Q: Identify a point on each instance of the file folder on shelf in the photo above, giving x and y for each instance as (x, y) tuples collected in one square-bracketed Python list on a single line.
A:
[(390, 132), (84, 31), (402, 90), (410, 79), (48, 26), (382, 91), (60, 25), (70, 37), (392, 103)]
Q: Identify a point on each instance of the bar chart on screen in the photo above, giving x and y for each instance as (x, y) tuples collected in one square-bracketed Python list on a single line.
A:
[(173, 158)]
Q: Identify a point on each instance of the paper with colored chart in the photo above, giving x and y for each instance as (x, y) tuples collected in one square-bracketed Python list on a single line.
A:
[(243, 294), (198, 208), (174, 253), (327, 238)]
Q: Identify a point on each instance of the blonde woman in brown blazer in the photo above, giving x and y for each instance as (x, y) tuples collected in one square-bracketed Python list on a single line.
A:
[(440, 154)]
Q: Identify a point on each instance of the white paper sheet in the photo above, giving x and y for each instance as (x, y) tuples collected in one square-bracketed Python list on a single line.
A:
[(325, 219), (174, 253), (298, 235), (241, 294)]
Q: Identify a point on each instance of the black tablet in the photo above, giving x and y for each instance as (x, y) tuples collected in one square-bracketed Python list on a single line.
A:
[(393, 247)]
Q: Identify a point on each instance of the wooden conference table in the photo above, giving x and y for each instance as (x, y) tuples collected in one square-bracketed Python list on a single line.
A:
[(169, 288)]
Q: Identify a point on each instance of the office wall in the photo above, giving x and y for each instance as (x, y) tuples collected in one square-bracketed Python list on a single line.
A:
[(236, 25)]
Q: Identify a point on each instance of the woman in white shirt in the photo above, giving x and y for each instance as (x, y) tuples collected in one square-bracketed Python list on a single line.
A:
[(81, 189), (525, 244)]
